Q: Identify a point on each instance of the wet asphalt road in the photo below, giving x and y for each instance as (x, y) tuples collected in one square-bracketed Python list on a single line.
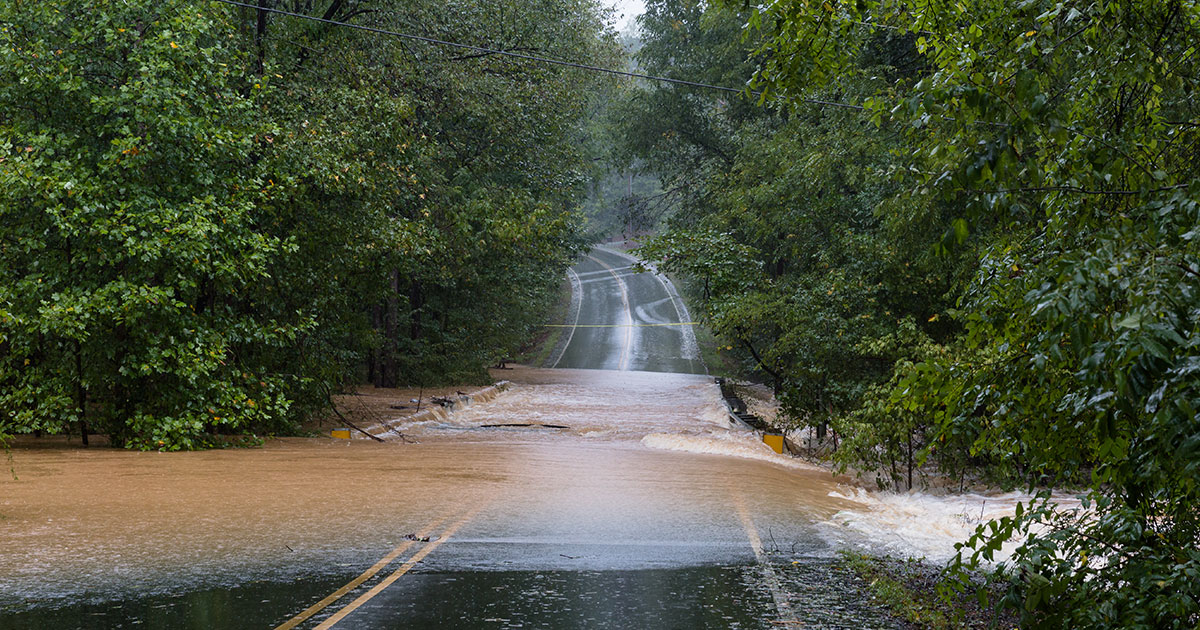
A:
[(624, 320)]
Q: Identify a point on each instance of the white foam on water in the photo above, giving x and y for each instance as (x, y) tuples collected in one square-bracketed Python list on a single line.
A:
[(591, 404), (744, 444), (684, 413), (715, 415), (922, 524)]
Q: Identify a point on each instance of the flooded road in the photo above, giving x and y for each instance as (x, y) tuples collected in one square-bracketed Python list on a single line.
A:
[(648, 486), (578, 498)]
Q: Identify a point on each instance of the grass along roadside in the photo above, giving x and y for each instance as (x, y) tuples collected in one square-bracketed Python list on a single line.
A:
[(909, 590)]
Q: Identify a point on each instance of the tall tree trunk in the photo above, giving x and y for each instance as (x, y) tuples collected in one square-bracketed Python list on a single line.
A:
[(895, 473), (389, 371), (910, 461), (80, 393), (119, 393), (415, 303), (374, 359), (260, 32), (823, 426)]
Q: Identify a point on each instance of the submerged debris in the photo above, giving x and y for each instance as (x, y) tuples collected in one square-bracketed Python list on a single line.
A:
[(524, 424)]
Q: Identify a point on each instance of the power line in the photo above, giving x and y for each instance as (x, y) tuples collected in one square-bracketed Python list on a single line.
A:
[(523, 56)]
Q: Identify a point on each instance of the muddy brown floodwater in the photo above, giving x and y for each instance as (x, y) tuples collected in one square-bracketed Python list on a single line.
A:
[(645, 475)]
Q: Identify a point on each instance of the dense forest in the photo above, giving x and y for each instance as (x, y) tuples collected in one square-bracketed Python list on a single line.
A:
[(964, 239), (215, 217)]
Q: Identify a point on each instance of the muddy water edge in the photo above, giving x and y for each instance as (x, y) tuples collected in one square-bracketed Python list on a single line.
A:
[(638, 503)]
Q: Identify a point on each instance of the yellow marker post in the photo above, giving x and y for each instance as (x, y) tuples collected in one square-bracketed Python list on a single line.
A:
[(341, 434), (775, 441)]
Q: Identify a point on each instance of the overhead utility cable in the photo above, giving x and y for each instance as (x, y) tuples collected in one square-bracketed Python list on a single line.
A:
[(526, 57)]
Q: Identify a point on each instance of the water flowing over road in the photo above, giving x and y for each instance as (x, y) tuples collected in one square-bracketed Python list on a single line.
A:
[(609, 492)]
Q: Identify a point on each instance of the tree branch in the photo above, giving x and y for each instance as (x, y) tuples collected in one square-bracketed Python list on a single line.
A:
[(1074, 189), (761, 363), (333, 407), (1188, 269)]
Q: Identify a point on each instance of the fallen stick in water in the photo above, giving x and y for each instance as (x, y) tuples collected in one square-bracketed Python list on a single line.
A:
[(523, 424), (351, 424)]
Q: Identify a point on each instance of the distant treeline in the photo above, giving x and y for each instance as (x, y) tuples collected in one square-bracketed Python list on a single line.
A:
[(212, 217)]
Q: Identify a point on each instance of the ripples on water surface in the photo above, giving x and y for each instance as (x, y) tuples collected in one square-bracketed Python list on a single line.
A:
[(645, 478)]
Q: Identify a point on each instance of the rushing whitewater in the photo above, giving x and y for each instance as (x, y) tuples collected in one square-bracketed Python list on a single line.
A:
[(684, 413)]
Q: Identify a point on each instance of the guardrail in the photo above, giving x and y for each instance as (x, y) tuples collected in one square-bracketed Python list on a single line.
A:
[(739, 416)]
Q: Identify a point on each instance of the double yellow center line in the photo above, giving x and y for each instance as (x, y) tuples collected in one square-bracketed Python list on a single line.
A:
[(376, 568), (773, 582)]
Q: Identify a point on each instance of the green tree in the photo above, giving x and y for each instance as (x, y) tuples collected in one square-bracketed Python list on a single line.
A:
[(216, 217), (796, 266), (1071, 129), (131, 248), (490, 163)]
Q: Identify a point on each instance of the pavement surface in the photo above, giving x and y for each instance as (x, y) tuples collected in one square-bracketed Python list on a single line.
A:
[(623, 320)]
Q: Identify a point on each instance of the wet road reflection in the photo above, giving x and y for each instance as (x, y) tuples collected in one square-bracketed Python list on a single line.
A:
[(683, 599), (626, 320), (709, 597)]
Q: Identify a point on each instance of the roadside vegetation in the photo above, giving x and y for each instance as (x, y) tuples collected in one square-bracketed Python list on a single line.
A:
[(964, 238), (541, 346), (912, 591), (215, 218)]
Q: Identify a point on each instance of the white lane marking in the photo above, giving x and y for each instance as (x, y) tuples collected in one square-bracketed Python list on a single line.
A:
[(623, 362), (576, 305), (786, 614), (690, 347), (599, 275)]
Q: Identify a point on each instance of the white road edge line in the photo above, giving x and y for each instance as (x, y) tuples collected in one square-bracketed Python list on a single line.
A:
[(787, 615), (577, 306), (681, 312)]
